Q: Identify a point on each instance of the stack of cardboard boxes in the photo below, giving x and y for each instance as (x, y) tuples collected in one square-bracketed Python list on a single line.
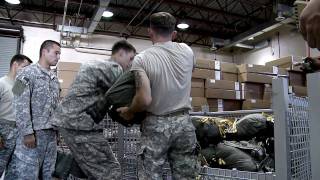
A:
[(204, 69), (66, 72), (215, 87), (256, 83), (218, 86), (297, 79)]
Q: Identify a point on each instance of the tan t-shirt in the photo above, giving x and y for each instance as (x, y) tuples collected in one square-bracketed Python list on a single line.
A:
[(6, 99), (169, 68)]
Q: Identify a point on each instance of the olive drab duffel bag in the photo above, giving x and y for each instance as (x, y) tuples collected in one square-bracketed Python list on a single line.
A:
[(120, 94)]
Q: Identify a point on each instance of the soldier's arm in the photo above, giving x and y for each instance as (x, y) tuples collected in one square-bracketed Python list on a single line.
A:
[(142, 98), (22, 90)]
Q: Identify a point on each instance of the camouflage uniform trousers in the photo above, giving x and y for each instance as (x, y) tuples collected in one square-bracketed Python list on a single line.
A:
[(170, 138), (93, 153), (32, 163), (9, 133)]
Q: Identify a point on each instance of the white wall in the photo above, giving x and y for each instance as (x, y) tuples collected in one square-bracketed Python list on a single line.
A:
[(291, 44), (35, 36)]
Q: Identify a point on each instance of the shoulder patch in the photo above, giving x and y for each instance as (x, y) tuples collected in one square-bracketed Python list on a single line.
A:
[(19, 87)]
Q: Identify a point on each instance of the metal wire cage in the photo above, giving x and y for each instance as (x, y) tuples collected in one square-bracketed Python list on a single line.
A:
[(292, 141)]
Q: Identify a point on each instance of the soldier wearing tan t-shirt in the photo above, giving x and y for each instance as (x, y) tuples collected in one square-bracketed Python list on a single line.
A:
[(8, 131), (163, 82)]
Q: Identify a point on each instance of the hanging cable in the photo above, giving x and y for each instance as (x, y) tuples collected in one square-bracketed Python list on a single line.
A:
[(134, 17), (78, 14)]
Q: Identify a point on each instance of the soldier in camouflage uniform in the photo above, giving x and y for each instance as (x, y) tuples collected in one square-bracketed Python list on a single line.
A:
[(83, 136), (36, 95), (8, 132), (163, 83)]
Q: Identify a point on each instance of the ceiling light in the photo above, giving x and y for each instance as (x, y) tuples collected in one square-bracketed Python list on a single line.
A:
[(183, 26), (107, 14), (13, 1), (251, 38)]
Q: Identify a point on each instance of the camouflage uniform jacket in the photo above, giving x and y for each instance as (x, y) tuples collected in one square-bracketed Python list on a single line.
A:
[(89, 86), (36, 95)]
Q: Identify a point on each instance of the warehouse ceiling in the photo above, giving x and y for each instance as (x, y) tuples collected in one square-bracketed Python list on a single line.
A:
[(208, 19)]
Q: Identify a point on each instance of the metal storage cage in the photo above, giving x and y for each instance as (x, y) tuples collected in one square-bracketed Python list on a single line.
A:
[(292, 141)]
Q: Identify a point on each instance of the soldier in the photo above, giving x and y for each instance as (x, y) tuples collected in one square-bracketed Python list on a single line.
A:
[(85, 138), (36, 95), (163, 83), (8, 132), (310, 23)]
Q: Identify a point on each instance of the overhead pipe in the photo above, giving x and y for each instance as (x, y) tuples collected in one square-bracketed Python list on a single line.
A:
[(103, 4), (267, 27), (64, 16), (264, 44)]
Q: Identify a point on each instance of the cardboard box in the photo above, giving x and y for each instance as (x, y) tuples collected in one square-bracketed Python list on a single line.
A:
[(222, 94), (68, 66), (253, 87), (205, 64), (222, 84), (197, 83), (300, 91), (197, 92), (66, 78), (256, 104), (252, 68), (198, 101), (289, 63), (297, 78), (267, 96), (197, 109), (203, 73), (256, 78), (231, 105), (267, 88), (251, 95), (229, 76), (224, 104), (215, 109), (229, 67)]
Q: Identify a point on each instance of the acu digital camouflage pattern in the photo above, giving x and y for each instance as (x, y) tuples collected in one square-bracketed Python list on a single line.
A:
[(93, 154), (89, 86), (168, 138), (89, 148), (9, 135), (31, 163), (36, 95)]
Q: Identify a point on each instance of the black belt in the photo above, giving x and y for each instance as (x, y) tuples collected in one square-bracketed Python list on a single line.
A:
[(174, 113)]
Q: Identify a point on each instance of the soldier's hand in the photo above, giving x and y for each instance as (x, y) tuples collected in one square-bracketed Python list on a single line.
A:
[(1, 143), (29, 141), (125, 113), (310, 23)]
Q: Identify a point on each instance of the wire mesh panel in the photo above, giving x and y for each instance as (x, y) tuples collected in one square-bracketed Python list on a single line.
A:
[(226, 174), (111, 133), (299, 138)]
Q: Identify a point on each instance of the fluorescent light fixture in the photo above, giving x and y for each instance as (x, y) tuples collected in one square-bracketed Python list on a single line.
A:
[(251, 38), (107, 14), (13, 1), (183, 26)]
